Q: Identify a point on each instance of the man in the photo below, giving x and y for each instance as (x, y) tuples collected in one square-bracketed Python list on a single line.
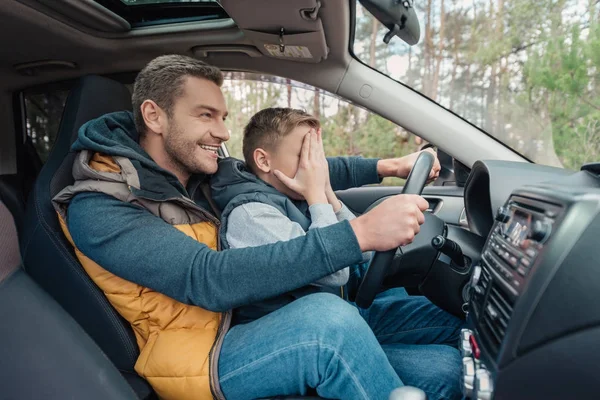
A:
[(137, 216)]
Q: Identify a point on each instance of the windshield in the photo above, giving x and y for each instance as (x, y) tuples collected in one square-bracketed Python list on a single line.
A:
[(527, 72)]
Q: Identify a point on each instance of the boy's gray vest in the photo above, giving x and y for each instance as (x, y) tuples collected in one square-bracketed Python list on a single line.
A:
[(232, 186)]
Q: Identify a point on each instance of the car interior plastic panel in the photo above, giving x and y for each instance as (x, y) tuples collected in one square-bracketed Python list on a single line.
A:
[(262, 23)]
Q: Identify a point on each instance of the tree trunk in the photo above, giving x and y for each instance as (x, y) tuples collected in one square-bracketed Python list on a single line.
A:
[(490, 98), (317, 104), (410, 59), (455, 61), (428, 45), (289, 93), (439, 55), (373, 44), (499, 119)]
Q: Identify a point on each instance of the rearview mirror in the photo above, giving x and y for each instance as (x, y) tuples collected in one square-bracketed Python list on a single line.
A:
[(398, 16)]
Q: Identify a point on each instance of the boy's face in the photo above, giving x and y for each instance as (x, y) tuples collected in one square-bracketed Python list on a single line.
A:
[(285, 157)]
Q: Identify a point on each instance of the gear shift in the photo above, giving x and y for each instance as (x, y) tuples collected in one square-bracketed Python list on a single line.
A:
[(407, 393)]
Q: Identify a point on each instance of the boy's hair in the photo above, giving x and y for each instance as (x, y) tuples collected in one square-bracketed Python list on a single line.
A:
[(268, 126), (162, 80)]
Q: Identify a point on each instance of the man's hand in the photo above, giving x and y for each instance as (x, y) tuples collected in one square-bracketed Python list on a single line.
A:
[(313, 173), (391, 224), (400, 167)]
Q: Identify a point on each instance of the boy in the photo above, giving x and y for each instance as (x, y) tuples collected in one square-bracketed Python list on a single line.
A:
[(258, 199)]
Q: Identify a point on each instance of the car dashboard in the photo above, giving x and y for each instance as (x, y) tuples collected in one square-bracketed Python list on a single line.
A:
[(533, 322)]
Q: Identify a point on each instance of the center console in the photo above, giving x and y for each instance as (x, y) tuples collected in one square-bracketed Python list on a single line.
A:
[(534, 302)]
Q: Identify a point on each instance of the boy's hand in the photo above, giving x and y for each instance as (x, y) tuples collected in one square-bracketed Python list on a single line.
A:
[(312, 174), (391, 224), (329, 193), (400, 167)]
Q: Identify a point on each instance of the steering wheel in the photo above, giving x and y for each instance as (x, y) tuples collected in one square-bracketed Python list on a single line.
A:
[(371, 282)]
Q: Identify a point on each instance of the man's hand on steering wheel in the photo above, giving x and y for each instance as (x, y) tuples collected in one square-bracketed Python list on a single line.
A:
[(403, 215), (386, 250)]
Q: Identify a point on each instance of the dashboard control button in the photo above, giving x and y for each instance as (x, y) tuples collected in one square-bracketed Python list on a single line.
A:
[(522, 271), (468, 376), (474, 347), (465, 344), (465, 334), (503, 215), (513, 261), (540, 230), (465, 349), (525, 263), (483, 384), (531, 252)]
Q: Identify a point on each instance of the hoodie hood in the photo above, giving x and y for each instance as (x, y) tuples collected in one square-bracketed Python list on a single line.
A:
[(115, 134)]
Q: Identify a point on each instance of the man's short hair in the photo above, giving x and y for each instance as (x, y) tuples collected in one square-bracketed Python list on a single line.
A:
[(268, 126), (162, 81)]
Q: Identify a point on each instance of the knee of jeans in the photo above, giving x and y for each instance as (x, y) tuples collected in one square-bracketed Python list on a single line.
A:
[(330, 315), (449, 376)]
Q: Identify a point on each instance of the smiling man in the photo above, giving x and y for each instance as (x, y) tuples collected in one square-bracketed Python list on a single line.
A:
[(138, 217)]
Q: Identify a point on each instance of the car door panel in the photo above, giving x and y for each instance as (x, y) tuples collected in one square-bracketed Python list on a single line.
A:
[(446, 202)]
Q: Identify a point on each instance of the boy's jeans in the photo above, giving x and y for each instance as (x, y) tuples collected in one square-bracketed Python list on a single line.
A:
[(322, 341)]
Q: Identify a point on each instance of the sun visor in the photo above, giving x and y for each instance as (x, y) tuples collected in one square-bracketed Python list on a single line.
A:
[(289, 30)]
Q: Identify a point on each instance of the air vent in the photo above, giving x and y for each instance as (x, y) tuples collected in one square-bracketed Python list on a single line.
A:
[(478, 296), (495, 317)]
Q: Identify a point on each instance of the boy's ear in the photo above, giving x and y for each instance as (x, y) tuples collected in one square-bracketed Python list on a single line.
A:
[(262, 160), (154, 117)]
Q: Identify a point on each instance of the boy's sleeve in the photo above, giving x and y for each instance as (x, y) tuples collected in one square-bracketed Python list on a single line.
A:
[(344, 214), (133, 244), (349, 172), (257, 224)]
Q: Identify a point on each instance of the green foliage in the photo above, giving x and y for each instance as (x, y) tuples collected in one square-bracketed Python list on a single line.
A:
[(526, 71)]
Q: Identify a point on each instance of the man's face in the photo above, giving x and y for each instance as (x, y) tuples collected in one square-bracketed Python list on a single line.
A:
[(286, 157), (196, 128)]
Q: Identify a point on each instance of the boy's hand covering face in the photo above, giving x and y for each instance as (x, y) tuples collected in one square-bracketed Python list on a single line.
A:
[(322, 151), (312, 175)]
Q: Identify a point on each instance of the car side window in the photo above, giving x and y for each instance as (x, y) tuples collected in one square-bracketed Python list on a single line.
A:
[(43, 111), (348, 130)]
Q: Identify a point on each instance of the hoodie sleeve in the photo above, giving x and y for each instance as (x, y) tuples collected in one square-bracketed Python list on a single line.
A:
[(256, 224), (137, 246), (349, 172)]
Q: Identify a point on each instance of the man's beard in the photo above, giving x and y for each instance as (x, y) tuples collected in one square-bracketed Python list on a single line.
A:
[(181, 152)]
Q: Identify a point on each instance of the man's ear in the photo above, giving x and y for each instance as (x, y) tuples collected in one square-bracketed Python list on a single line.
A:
[(262, 160), (154, 117)]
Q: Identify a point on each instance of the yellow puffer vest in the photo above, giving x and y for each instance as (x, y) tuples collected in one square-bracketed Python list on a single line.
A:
[(179, 344)]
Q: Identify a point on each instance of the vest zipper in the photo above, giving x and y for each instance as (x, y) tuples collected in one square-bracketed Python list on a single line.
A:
[(213, 356)]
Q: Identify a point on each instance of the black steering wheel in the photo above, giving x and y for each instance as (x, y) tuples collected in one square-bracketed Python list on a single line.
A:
[(371, 282)]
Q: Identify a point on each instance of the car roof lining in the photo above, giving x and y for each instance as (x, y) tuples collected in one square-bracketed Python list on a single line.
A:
[(54, 36)]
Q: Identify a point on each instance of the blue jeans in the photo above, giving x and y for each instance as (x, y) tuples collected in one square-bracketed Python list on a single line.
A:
[(326, 343)]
